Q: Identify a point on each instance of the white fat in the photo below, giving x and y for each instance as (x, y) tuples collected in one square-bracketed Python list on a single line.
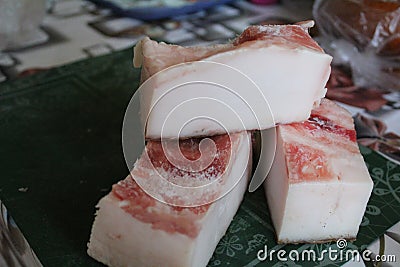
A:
[(317, 211), (118, 239), (306, 25), (277, 184), (291, 81), (323, 211), (137, 55)]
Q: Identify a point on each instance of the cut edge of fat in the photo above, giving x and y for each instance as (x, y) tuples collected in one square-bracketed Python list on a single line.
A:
[(118, 239), (316, 212), (292, 81)]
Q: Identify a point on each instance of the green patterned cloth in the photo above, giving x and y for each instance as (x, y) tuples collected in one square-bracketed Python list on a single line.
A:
[(252, 229), (61, 152)]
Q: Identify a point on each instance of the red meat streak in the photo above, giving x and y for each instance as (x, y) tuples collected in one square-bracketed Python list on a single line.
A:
[(293, 35), (307, 164), (171, 219)]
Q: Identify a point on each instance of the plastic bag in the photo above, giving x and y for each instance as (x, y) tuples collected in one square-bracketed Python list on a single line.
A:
[(364, 35)]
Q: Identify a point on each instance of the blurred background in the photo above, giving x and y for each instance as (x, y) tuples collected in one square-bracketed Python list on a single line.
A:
[(41, 34)]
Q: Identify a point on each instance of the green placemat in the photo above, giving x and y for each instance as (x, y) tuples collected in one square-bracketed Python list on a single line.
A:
[(60, 152)]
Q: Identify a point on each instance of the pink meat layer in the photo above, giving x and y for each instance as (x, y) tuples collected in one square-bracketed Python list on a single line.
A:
[(285, 35), (329, 126), (172, 219), (158, 56), (190, 150)]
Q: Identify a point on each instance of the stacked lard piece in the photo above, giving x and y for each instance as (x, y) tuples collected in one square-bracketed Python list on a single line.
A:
[(318, 186)]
